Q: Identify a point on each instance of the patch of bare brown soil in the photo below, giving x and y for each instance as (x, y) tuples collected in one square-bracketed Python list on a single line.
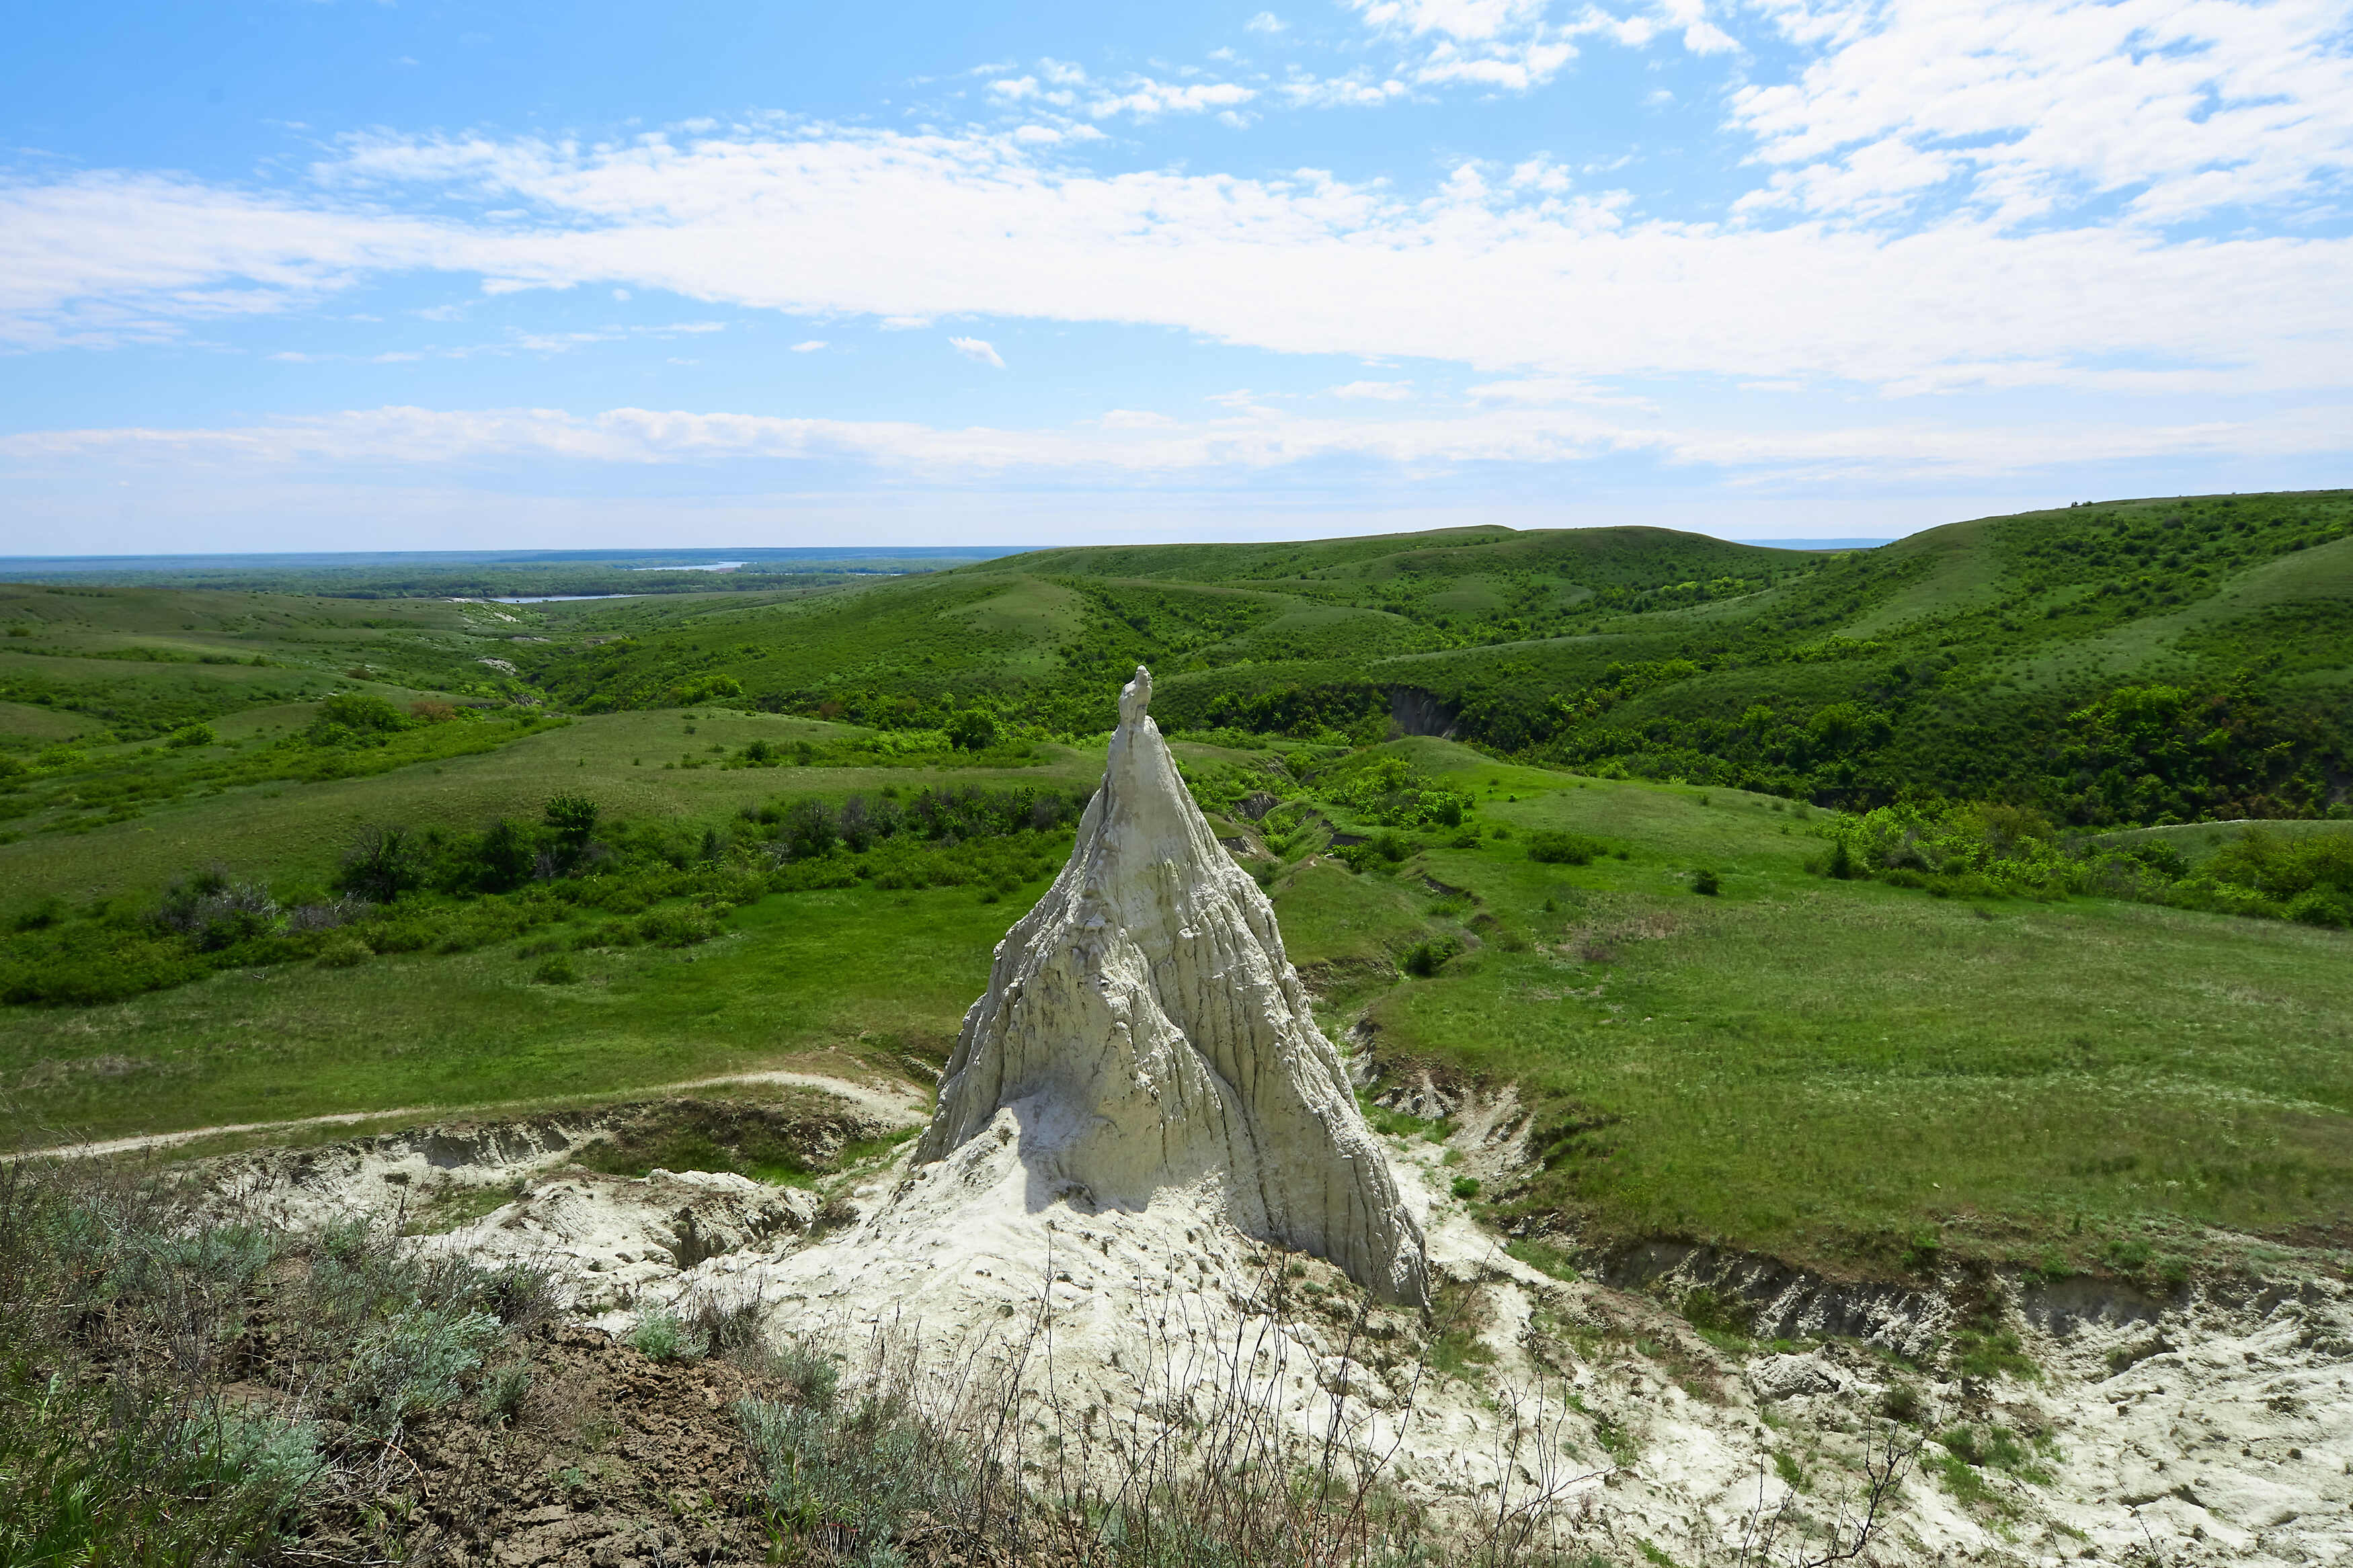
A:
[(612, 1460)]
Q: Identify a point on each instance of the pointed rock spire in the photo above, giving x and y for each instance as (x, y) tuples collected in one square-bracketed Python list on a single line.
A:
[(1144, 1027)]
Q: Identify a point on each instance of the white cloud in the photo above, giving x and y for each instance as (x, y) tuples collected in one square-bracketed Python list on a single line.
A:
[(1553, 389), (2023, 108), (1128, 446), (808, 346), (1356, 91), (1509, 46), (977, 348), (1707, 39), (1516, 275), (1147, 98), (1383, 391), (1265, 21)]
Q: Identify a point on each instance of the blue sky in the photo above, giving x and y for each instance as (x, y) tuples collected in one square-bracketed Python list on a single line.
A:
[(295, 275)]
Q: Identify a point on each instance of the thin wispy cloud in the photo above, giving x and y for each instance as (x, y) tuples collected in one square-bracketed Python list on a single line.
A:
[(979, 350), (1141, 445)]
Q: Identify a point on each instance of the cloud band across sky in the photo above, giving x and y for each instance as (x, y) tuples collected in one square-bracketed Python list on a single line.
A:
[(1496, 273)]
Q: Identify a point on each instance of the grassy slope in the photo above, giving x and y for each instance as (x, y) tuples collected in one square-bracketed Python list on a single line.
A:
[(1800, 1063), (872, 973), (140, 660)]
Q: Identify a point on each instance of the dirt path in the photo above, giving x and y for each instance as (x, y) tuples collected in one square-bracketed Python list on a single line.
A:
[(880, 1097)]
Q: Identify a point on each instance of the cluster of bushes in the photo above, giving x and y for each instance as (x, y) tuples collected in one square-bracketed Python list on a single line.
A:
[(1557, 848), (1340, 709), (1383, 788), (385, 862), (355, 719), (2307, 879), (616, 884), (811, 827), (954, 838), (2010, 850), (396, 891), (972, 735), (1379, 853)]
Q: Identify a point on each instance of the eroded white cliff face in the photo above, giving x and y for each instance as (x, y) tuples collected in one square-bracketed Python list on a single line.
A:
[(1146, 1034)]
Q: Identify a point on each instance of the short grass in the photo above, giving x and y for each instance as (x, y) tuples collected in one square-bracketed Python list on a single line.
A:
[(874, 973), (1962, 574), (1830, 1069)]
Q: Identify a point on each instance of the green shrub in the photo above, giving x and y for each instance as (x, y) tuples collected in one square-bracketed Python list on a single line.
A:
[(213, 912), (973, 731), (352, 716), (676, 927), (555, 970), (570, 819), (192, 735), (1718, 1315), (1707, 883), (1387, 790), (1902, 1402), (1553, 848), (1425, 959), (810, 829), (503, 1392), (659, 1335), (344, 951), (412, 1364), (42, 914), (381, 863), (2283, 868), (2322, 907)]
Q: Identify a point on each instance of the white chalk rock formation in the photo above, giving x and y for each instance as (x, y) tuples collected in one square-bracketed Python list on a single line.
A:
[(1145, 1034)]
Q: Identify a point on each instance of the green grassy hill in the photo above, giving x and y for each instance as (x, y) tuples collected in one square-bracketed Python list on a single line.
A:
[(1969, 661), (1944, 1025)]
